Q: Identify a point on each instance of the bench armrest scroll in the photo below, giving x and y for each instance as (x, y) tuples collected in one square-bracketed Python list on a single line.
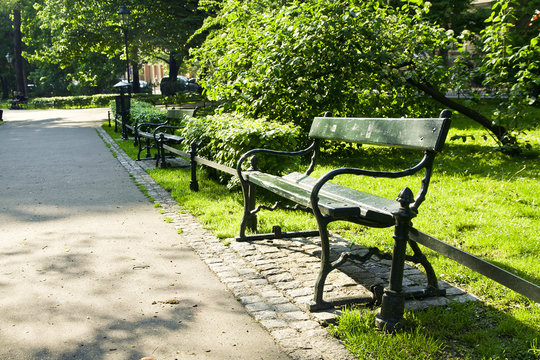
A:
[(250, 153), (426, 162), (166, 127), (147, 125)]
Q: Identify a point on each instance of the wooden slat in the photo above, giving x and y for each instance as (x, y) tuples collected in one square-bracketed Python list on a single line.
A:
[(215, 165), (179, 113), (176, 151), (334, 200), (422, 134)]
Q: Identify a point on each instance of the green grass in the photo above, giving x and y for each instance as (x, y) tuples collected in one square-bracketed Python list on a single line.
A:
[(480, 200)]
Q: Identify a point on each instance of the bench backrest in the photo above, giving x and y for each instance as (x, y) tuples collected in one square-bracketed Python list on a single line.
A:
[(421, 134)]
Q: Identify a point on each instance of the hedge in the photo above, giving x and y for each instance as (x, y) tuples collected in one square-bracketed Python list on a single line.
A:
[(142, 112), (101, 100), (223, 138)]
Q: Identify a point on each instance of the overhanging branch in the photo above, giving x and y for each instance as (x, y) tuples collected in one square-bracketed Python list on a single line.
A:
[(500, 132)]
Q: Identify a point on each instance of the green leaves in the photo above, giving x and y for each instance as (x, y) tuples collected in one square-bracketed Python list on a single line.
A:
[(297, 60), (225, 137)]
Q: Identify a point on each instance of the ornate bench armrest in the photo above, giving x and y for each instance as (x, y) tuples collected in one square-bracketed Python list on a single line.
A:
[(250, 153), (146, 125), (166, 127), (426, 162)]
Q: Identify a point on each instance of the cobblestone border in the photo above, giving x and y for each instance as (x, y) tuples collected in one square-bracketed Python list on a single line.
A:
[(274, 279)]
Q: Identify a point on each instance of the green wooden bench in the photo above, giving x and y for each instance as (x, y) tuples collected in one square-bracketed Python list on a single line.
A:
[(148, 134), (158, 135), (331, 202)]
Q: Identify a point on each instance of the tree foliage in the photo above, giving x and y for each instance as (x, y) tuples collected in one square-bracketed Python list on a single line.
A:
[(457, 15), (85, 37), (296, 59), (292, 60), (511, 56), (76, 46), (6, 69)]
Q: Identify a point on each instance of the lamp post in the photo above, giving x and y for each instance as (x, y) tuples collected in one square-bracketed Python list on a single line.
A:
[(124, 14), (125, 102), (9, 58)]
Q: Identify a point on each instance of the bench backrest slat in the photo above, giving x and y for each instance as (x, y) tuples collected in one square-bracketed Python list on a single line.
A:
[(421, 134), (180, 114)]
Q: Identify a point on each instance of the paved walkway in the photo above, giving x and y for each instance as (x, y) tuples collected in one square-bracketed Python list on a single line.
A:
[(273, 280), (88, 267)]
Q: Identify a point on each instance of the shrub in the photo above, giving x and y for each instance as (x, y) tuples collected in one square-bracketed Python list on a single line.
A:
[(100, 100), (324, 55), (225, 137), (145, 112), (142, 112)]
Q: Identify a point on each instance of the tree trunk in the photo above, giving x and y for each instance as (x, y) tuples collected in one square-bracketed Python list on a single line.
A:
[(5, 88), (19, 61), (173, 67), (500, 132)]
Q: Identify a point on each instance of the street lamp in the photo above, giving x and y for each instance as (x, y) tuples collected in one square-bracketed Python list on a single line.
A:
[(124, 14), (9, 58)]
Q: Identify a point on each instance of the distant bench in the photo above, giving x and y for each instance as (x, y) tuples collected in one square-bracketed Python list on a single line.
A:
[(331, 202), (18, 101), (156, 135)]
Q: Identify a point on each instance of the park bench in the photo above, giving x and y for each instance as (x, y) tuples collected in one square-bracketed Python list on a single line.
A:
[(18, 101), (332, 202), (157, 135)]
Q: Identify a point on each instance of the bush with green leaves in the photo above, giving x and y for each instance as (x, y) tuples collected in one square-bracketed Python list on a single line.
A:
[(72, 101), (293, 60), (223, 138), (510, 63), (100, 100), (142, 112)]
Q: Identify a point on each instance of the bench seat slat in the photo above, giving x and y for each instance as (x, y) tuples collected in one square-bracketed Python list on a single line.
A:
[(336, 201)]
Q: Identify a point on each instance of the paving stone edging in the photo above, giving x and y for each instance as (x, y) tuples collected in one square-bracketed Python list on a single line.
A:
[(274, 279)]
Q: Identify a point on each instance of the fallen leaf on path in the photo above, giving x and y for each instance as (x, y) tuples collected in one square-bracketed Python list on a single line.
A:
[(140, 267)]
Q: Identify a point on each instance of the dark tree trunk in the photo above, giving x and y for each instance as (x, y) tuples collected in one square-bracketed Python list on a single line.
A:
[(5, 88), (19, 61), (500, 132), (173, 67)]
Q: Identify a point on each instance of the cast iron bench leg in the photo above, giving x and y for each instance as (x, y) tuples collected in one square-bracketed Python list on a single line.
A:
[(148, 145), (193, 184), (249, 220), (326, 265), (162, 151), (393, 301)]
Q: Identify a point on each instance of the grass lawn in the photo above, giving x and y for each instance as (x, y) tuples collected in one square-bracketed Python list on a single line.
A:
[(480, 200)]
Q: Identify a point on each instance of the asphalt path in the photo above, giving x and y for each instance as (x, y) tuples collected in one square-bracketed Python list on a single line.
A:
[(88, 267)]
